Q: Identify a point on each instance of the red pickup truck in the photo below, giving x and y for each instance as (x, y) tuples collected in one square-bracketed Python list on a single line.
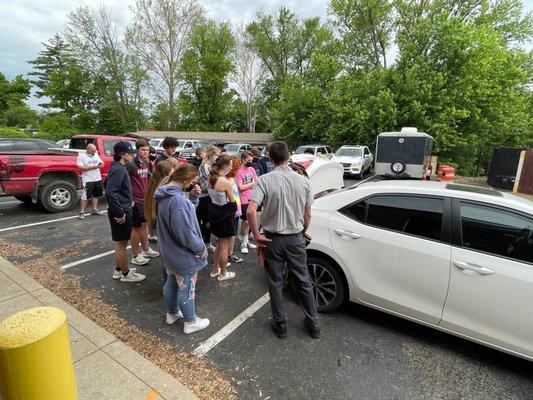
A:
[(51, 177)]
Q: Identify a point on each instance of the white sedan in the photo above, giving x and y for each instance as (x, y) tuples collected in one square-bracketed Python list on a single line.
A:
[(453, 257)]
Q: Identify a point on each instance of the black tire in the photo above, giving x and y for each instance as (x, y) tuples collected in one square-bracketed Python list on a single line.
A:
[(58, 196), (328, 284), (24, 199)]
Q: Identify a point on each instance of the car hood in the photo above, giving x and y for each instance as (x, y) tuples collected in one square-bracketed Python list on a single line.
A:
[(347, 159)]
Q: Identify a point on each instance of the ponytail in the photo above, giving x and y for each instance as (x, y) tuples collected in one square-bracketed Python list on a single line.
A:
[(221, 162)]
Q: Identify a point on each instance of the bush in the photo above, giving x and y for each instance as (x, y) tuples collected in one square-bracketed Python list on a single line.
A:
[(55, 127), (8, 132)]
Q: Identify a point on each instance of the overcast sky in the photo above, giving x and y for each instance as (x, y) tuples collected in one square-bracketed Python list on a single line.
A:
[(25, 24)]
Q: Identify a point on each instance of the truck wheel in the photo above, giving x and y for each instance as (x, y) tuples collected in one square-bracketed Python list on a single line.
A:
[(24, 199), (58, 196)]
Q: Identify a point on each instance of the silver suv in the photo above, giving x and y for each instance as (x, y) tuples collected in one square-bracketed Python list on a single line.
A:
[(355, 160)]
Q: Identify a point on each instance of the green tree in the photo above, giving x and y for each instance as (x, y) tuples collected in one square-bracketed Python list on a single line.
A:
[(54, 57), (366, 28), (206, 65)]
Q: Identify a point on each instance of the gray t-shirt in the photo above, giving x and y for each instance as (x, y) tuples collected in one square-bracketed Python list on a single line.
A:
[(284, 195)]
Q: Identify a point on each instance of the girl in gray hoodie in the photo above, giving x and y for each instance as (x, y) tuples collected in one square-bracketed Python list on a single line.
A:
[(181, 246)]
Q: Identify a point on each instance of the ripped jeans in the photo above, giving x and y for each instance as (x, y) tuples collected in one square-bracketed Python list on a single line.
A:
[(179, 294)]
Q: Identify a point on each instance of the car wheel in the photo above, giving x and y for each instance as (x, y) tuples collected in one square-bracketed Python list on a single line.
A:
[(58, 196), (328, 285), (24, 199)]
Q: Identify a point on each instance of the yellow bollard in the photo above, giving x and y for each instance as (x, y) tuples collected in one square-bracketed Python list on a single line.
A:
[(35, 358)]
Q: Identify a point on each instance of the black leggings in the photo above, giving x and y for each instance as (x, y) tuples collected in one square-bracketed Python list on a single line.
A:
[(202, 212)]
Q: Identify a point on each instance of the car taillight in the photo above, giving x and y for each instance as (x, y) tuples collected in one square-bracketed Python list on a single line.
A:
[(305, 164), (4, 170)]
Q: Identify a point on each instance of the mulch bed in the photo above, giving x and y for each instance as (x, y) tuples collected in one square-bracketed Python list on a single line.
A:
[(199, 375)]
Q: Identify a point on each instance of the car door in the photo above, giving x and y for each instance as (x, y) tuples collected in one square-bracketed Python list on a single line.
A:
[(491, 285), (397, 250)]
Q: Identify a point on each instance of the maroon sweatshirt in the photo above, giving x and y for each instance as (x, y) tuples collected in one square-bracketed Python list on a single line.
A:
[(139, 172)]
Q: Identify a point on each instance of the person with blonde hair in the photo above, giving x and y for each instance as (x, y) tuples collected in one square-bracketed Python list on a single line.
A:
[(182, 248), (221, 215), (235, 165), (202, 210)]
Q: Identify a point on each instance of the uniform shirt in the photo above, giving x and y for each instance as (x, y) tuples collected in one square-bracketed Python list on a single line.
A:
[(284, 195), (139, 172), (245, 175), (85, 160)]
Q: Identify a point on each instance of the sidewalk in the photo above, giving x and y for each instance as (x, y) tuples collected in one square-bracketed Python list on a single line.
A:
[(105, 367)]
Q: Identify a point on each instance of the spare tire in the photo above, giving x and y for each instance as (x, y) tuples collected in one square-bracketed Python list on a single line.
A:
[(397, 167), (58, 196)]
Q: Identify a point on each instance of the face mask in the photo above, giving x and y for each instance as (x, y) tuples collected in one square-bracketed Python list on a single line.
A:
[(249, 164), (90, 154)]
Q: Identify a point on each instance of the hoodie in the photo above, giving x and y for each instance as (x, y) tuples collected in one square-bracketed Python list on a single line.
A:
[(118, 190), (178, 231)]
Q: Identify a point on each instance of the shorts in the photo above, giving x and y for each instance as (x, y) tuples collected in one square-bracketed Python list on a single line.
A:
[(120, 232), (137, 215), (244, 208), (222, 225), (92, 189)]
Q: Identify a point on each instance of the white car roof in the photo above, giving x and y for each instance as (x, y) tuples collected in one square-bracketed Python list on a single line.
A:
[(467, 192), (349, 146)]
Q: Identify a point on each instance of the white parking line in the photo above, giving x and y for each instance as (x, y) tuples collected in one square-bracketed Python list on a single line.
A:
[(231, 326), (84, 260), (10, 202), (40, 223)]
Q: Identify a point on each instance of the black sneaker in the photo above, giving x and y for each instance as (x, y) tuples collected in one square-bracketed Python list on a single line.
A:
[(280, 328), (313, 332)]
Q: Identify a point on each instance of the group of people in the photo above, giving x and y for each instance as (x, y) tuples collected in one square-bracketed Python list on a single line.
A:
[(184, 205)]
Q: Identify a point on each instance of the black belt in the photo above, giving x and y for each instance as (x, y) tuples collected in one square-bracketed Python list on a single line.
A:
[(272, 234)]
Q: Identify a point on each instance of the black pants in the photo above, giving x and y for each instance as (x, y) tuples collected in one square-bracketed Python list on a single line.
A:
[(288, 251), (202, 213)]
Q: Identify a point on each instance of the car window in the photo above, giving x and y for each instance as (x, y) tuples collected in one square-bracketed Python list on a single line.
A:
[(328, 149), (81, 143), (108, 146), (367, 151), (413, 215), (6, 145), (26, 145), (321, 150), (155, 142), (496, 231), (348, 152)]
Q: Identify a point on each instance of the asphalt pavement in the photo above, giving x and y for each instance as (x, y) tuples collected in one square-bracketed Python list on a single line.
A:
[(362, 354)]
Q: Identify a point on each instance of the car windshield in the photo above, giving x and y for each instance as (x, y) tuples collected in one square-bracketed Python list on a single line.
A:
[(181, 143), (349, 152), (232, 147), (305, 150), (155, 142)]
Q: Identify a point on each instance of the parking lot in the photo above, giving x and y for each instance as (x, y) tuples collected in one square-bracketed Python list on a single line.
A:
[(362, 354)]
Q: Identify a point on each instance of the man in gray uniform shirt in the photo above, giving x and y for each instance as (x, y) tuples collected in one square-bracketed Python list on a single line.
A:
[(286, 198)]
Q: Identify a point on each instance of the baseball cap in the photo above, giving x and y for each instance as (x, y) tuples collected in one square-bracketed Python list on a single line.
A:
[(122, 147)]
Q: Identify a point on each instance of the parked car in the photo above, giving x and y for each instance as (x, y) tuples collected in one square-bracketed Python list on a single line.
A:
[(156, 144), (235, 149), (311, 149), (453, 257), (63, 143), (51, 177), (355, 160), (191, 152), (14, 145)]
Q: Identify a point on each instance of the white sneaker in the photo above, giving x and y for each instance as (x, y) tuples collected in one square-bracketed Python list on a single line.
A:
[(171, 318), (139, 260), (118, 274), (244, 250), (201, 323), (133, 277), (251, 246), (149, 253)]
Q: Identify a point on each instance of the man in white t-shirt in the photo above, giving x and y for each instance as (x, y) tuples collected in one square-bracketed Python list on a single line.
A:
[(90, 164)]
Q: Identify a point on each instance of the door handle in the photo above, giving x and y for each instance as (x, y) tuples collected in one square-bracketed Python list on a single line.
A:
[(347, 234), (470, 267)]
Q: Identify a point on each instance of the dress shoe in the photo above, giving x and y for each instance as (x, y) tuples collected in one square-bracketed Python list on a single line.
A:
[(280, 328)]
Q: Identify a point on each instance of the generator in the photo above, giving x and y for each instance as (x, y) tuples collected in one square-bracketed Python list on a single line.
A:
[(404, 154)]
